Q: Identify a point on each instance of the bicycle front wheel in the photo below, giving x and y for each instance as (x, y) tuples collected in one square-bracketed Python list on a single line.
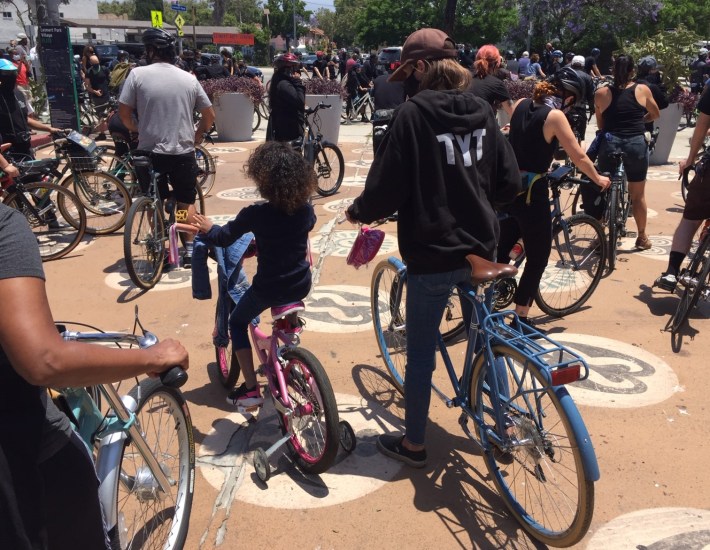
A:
[(55, 216), (313, 420), (388, 294), (694, 280), (147, 517), (144, 243), (227, 365), (206, 170), (540, 473), (614, 228), (575, 266), (688, 176), (329, 166), (105, 199)]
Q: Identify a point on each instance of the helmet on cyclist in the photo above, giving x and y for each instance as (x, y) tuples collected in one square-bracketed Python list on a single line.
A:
[(510, 54), (158, 38), (568, 79), (285, 60), (595, 52), (319, 54), (557, 53), (122, 54), (703, 52)]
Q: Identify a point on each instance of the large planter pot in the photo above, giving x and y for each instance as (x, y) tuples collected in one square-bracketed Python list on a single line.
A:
[(668, 124), (329, 118), (234, 114)]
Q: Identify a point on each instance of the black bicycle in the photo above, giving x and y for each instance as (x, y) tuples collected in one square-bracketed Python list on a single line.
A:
[(325, 157)]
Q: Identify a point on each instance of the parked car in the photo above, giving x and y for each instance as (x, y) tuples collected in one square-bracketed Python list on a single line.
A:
[(105, 52), (208, 58), (387, 57), (308, 60)]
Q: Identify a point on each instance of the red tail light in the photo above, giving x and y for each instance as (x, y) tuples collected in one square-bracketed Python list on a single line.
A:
[(566, 375)]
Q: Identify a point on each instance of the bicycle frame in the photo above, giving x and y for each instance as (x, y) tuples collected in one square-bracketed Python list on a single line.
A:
[(558, 365)]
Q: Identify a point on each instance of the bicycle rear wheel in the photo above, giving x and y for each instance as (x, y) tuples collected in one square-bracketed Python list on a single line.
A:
[(575, 266), (147, 517), (227, 365), (388, 293), (541, 475), (688, 176), (452, 321), (144, 243), (613, 226), (206, 169), (329, 166), (122, 170), (694, 280), (256, 120), (315, 434), (105, 199), (55, 215)]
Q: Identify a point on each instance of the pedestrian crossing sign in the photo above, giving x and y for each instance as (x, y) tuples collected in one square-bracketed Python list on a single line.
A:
[(179, 21), (156, 18)]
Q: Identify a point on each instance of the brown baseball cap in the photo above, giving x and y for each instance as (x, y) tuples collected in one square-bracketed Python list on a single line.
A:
[(423, 44)]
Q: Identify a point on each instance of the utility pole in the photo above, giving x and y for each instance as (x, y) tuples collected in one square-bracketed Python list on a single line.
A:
[(194, 20), (294, 21)]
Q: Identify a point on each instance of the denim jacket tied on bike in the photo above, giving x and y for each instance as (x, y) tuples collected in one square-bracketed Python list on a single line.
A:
[(231, 279)]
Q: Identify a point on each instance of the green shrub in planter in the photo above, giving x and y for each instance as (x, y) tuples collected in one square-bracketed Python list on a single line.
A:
[(234, 84)]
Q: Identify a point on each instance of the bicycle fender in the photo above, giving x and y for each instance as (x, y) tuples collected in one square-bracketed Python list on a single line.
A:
[(108, 470), (397, 264), (586, 448)]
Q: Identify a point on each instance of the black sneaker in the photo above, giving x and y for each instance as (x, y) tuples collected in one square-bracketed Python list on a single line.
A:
[(187, 261), (391, 446), (667, 281)]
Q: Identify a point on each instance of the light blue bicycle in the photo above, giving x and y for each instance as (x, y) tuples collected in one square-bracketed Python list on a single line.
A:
[(534, 442)]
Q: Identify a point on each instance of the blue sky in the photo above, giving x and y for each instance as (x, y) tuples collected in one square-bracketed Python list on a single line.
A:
[(318, 4)]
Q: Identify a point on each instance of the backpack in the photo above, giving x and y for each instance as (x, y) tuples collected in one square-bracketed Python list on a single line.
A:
[(118, 75)]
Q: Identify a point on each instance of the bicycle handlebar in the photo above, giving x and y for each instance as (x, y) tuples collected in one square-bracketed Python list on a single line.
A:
[(174, 377)]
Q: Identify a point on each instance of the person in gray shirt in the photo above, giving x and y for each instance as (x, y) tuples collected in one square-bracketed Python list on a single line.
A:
[(163, 98)]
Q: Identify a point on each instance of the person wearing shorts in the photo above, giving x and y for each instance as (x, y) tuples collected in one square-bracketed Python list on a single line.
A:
[(164, 98), (697, 204)]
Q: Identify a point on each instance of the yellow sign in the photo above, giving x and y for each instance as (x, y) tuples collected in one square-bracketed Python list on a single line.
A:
[(181, 32), (179, 21), (156, 17)]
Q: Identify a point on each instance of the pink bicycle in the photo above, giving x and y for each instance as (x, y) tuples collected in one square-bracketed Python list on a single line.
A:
[(299, 389)]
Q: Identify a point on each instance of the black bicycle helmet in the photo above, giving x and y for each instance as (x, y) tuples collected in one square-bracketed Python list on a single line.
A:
[(568, 79), (158, 38), (595, 52)]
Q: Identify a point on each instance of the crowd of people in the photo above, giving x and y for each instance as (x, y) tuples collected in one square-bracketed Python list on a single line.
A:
[(448, 195)]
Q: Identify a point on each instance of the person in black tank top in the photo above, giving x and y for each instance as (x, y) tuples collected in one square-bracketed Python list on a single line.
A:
[(622, 110), (536, 127)]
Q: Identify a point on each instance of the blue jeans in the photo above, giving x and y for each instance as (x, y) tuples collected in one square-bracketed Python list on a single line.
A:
[(427, 295)]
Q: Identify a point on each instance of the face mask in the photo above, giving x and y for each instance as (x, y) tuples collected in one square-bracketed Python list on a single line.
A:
[(553, 102), (15, 57), (411, 85)]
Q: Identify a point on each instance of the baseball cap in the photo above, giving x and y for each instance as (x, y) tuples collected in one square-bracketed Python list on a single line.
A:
[(649, 63), (6, 65), (21, 35), (423, 44), (578, 60)]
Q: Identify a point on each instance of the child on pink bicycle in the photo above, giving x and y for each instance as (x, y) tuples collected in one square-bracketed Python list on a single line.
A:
[(280, 226)]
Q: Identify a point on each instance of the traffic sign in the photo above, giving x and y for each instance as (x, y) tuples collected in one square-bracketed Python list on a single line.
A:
[(156, 18), (179, 21), (178, 7), (181, 32)]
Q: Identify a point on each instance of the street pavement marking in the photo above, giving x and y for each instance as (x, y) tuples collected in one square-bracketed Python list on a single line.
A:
[(230, 444), (655, 529), (621, 375), (339, 243), (338, 309)]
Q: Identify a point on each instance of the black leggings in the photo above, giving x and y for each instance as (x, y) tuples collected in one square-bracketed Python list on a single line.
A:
[(534, 223), (71, 507)]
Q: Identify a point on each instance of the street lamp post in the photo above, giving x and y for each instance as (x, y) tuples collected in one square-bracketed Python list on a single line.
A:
[(294, 21)]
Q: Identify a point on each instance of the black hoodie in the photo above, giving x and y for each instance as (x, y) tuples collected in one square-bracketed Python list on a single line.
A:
[(444, 165)]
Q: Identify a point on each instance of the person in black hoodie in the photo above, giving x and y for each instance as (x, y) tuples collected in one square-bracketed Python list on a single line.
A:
[(287, 98), (444, 166)]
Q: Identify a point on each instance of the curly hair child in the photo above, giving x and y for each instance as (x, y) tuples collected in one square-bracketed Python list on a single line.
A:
[(280, 226)]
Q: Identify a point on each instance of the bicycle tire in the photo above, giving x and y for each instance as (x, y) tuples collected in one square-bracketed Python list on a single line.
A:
[(263, 108), (565, 287), (147, 521), (577, 201), (545, 469), (227, 365), (328, 161), (697, 274), (144, 243), (314, 419), (389, 319), (121, 169), (256, 120), (451, 325), (613, 227), (104, 198), (206, 169), (49, 204)]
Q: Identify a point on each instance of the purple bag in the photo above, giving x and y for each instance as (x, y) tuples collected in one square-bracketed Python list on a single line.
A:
[(366, 246)]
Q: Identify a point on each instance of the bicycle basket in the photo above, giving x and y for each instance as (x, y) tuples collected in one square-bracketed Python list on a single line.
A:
[(366, 246)]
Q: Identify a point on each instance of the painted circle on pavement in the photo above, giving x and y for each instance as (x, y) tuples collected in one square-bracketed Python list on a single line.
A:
[(663, 175), (339, 205), (655, 529), (354, 181), (246, 194), (359, 163), (351, 477), (226, 149), (339, 243), (361, 150), (338, 309), (659, 250), (621, 375)]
